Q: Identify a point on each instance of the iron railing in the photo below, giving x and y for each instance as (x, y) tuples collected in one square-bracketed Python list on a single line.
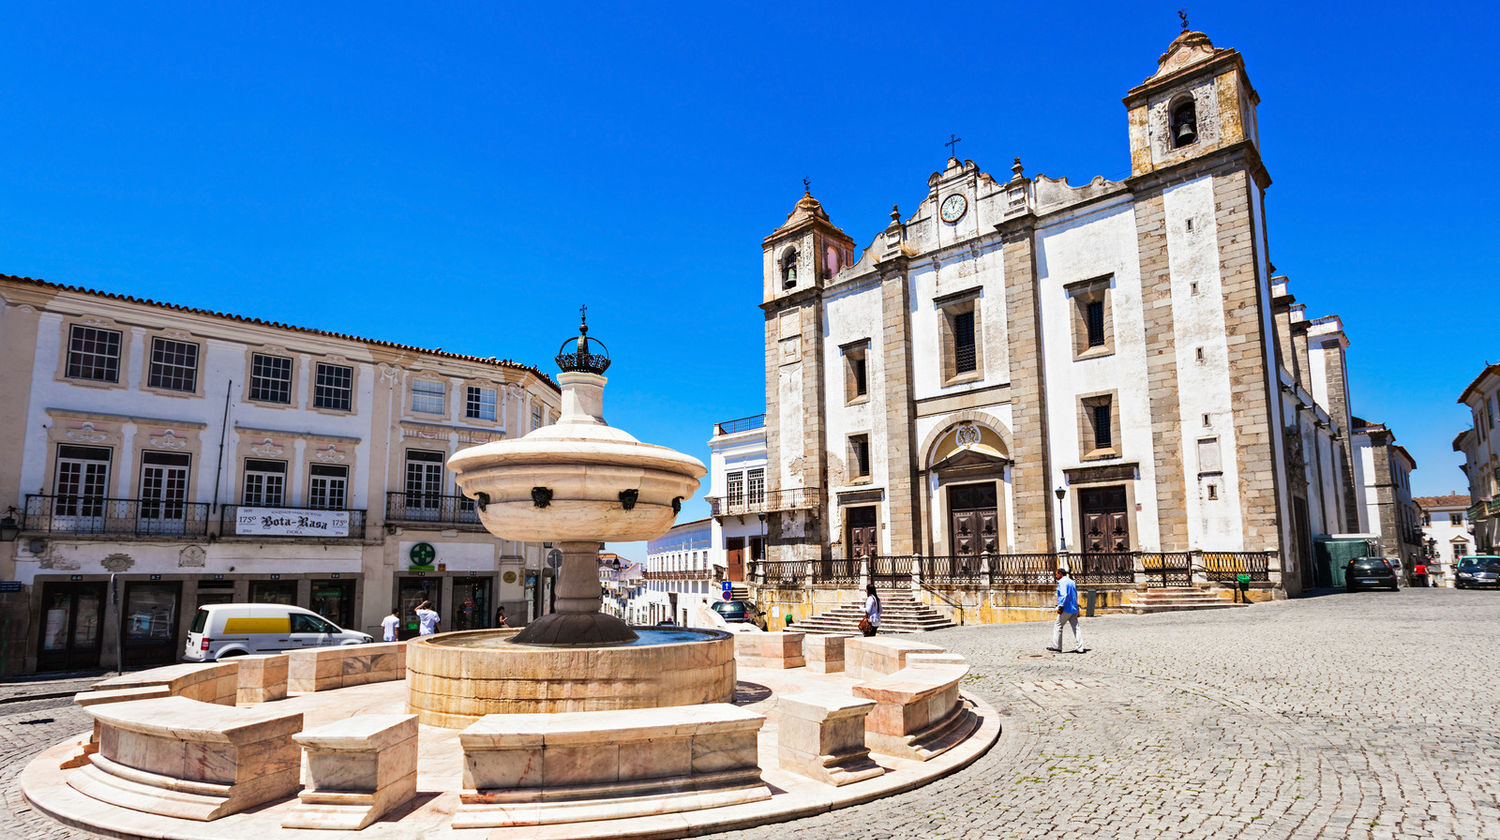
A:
[(892, 570), (782, 573), (1023, 569), (838, 572), (743, 424), (457, 511), (48, 514), (1166, 568), (301, 523), (1225, 566), (959, 570), (791, 498)]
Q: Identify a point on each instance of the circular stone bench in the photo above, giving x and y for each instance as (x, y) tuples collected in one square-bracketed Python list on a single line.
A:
[(183, 758)]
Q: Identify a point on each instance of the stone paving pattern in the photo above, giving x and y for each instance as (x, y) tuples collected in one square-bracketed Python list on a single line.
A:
[(1370, 715)]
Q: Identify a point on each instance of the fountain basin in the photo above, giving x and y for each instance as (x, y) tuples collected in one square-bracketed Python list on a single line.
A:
[(454, 679)]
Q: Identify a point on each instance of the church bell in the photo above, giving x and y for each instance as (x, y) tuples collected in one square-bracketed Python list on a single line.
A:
[(1186, 133)]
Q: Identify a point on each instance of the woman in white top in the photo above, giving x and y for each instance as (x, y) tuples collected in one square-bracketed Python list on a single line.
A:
[(872, 610)]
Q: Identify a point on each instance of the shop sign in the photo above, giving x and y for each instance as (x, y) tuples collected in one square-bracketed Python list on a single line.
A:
[(10, 586), (288, 522)]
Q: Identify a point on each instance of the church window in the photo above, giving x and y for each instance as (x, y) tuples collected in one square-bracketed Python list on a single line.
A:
[(1098, 421), (859, 456), (963, 357), (789, 269), (1093, 334), (856, 371), (1184, 124)]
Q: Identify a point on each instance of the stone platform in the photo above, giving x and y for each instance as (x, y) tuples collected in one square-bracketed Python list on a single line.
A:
[(440, 777)]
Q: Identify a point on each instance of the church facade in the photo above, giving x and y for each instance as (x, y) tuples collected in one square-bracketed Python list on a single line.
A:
[(1025, 366)]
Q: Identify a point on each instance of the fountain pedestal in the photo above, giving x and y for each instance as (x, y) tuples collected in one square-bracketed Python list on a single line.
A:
[(577, 620)]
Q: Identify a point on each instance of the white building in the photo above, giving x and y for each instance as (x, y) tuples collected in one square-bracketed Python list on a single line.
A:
[(1445, 526), (737, 495), (679, 576), (1481, 453), (186, 457)]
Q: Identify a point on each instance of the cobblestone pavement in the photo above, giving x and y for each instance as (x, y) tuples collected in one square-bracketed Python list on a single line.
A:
[(1372, 715)]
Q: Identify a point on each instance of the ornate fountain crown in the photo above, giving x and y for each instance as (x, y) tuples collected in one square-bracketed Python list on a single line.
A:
[(582, 359)]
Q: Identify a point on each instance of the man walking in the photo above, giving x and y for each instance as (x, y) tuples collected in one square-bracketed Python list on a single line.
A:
[(389, 624), (427, 619), (1067, 612)]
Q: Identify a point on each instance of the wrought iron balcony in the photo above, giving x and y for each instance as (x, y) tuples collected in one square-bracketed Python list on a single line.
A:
[(793, 498), (290, 523), (430, 508), (96, 515), (744, 424)]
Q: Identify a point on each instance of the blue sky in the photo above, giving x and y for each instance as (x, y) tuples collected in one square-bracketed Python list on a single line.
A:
[(463, 176)]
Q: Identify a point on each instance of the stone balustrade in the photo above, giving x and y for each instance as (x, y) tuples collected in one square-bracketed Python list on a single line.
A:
[(824, 652), (358, 769), (530, 769), (209, 682), (918, 713), (324, 668), (183, 758), (821, 735), (866, 657), (263, 678), (769, 650)]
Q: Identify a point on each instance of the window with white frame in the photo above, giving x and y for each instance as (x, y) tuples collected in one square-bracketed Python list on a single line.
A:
[(755, 486), (536, 417), (94, 354), (333, 387), (479, 403), (734, 485), (82, 480), (174, 365), (265, 483), (270, 378), (328, 487), (427, 396)]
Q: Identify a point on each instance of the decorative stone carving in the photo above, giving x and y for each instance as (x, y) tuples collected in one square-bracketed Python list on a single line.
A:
[(267, 448), (168, 439), (192, 555), (86, 433), (329, 454), (117, 562)]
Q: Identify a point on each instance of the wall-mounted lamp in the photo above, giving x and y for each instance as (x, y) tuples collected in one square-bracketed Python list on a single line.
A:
[(9, 527)]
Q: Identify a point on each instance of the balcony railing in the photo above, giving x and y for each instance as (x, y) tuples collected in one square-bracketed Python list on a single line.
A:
[(1479, 511), (290, 522), (1225, 566), (1151, 568), (839, 572), (98, 515), (787, 573), (791, 498), (744, 424), (693, 574), (449, 511)]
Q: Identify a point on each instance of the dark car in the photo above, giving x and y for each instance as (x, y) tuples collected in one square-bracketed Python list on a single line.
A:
[(1368, 572), (739, 612), (1477, 571)]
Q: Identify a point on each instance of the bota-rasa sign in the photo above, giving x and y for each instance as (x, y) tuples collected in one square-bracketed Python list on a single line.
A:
[(286, 522)]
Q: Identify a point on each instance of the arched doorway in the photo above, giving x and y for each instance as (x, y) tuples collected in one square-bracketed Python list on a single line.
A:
[(968, 472)]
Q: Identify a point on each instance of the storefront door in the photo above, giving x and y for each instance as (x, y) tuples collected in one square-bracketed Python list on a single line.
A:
[(149, 623), (471, 604), (273, 592), (734, 552), (411, 591), (71, 614), (334, 600)]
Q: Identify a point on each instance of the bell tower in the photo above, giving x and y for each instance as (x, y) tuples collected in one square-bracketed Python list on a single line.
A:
[(1198, 102), (799, 258)]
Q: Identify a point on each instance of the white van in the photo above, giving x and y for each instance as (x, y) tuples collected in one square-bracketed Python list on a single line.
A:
[(221, 630)]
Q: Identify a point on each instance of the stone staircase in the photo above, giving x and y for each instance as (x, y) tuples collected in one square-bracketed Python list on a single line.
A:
[(1178, 599), (899, 613), (739, 592)]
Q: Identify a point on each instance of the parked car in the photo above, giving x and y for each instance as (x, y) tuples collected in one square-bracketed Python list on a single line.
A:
[(742, 612), (223, 630), (1367, 572), (1477, 570)]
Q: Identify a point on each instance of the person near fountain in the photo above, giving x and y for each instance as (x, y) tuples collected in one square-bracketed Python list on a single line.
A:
[(871, 623), (389, 625), (427, 619), (500, 617)]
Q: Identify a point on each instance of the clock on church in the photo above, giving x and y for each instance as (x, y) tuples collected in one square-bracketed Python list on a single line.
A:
[(954, 207)]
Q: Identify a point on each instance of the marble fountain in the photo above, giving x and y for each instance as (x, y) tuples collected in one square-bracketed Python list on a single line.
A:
[(575, 726)]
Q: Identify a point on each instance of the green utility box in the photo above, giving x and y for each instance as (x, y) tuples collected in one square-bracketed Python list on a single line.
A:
[(1243, 581), (1331, 554)]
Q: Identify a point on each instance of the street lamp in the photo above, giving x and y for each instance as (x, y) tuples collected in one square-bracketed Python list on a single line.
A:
[(9, 529), (1062, 528)]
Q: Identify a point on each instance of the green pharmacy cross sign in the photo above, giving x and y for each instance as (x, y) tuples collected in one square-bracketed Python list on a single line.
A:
[(422, 554)]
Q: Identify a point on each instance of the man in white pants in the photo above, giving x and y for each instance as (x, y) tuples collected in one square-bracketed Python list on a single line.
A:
[(1067, 612)]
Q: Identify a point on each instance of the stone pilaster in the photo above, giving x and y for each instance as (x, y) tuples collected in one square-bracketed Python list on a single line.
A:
[(1338, 408), (1031, 474), (1161, 371), (1250, 386), (896, 366)]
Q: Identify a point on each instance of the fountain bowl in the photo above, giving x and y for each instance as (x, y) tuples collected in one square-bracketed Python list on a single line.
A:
[(454, 679)]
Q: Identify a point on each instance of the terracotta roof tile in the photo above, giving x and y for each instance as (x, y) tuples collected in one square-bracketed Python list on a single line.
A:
[(1451, 500)]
